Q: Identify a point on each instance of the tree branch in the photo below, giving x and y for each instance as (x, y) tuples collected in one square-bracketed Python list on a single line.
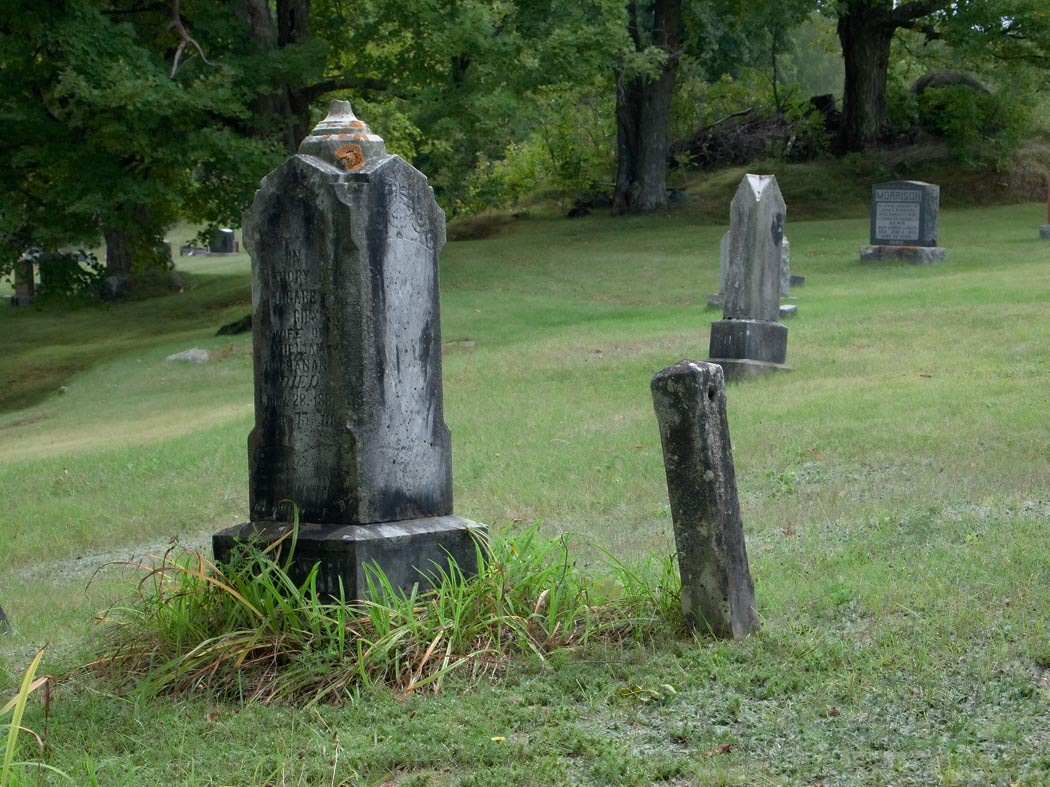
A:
[(908, 12), (184, 38)]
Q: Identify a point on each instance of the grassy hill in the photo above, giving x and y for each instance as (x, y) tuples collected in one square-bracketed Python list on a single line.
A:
[(894, 493)]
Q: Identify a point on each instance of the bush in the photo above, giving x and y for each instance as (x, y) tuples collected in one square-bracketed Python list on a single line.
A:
[(979, 128), (69, 275)]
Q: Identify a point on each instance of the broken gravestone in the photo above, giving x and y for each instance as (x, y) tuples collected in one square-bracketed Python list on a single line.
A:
[(749, 341), (717, 592), (349, 434)]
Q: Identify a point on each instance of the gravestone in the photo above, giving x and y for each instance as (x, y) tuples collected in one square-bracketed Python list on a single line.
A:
[(749, 341), (904, 217), (224, 241), (717, 591), (349, 421), (787, 281), (717, 300)]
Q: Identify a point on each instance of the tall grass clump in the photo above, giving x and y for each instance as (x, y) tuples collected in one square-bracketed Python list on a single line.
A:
[(247, 632), (14, 773)]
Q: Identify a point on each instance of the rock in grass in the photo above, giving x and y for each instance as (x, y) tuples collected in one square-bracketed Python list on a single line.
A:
[(5, 627), (193, 355)]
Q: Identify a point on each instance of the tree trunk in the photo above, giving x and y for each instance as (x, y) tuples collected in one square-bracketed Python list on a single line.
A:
[(286, 109), (119, 256), (866, 32), (643, 108)]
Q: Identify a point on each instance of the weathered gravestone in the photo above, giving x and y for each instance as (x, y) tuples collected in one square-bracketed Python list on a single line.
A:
[(904, 216), (749, 341), (787, 281), (717, 591), (349, 421)]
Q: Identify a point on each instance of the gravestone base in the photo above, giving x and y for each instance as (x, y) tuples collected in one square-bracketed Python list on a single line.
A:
[(1044, 232), (753, 340), (409, 551), (916, 255)]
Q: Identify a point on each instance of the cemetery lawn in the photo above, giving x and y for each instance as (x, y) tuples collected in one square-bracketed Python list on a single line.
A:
[(895, 492)]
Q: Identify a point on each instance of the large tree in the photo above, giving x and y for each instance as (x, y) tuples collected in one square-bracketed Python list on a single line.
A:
[(117, 122), (645, 81), (866, 29)]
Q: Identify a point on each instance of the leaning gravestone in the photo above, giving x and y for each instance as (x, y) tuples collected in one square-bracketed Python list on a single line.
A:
[(749, 341), (904, 217), (349, 420), (717, 591)]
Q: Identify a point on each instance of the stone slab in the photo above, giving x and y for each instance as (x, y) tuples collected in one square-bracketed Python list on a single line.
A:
[(915, 255), (349, 418), (739, 369), (788, 310), (409, 551), (798, 281), (1044, 231), (756, 340)]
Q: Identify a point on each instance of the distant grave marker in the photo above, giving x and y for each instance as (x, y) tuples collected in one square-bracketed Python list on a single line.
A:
[(904, 223), (749, 341)]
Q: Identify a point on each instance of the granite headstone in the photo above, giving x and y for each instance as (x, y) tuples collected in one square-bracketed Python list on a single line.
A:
[(904, 223)]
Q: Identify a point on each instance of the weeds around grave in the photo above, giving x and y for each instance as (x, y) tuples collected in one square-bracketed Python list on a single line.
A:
[(247, 632)]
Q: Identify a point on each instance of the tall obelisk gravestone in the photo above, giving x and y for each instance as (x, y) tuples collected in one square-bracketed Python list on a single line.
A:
[(349, 424), (749, 340)]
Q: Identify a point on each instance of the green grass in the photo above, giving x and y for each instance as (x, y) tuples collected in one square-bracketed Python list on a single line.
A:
[(894, 490)]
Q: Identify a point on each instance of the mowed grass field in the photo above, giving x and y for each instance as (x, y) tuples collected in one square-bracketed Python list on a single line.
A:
[(895, 492)]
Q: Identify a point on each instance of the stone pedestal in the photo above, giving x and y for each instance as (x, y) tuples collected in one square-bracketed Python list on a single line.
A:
[(915, 255), (408, 552)]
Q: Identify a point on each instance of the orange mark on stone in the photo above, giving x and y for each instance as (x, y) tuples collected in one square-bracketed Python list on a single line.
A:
[(351, 157), (357, 124), (360, 136)]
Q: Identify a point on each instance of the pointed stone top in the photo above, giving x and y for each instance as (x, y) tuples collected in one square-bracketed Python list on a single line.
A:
[(343, 140), (758, 184)]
